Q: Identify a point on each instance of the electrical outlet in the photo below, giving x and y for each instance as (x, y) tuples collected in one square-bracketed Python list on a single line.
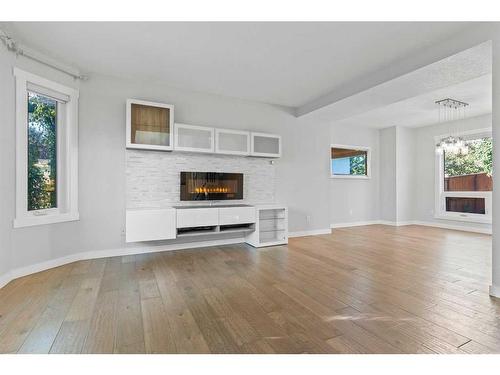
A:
[(308, 219)]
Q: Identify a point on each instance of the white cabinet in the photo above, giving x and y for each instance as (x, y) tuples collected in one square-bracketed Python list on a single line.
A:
[(149, 125), (193, 138), (232, 142), (271, 226), (150, 224), (197, 217), (265, 145), (262, 226), (236, 215)]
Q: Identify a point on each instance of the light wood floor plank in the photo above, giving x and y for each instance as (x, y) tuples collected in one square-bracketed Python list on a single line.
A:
[(371, 289)]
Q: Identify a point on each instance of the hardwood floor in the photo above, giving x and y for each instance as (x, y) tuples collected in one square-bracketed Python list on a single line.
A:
[(373, 289)]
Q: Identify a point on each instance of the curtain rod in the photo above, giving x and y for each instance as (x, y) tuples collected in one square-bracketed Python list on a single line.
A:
[(12, 46)]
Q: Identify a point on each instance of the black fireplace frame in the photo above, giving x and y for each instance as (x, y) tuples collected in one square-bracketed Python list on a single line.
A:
[(211, 178)]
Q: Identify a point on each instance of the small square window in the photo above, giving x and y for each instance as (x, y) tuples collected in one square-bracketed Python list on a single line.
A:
[(347, 161)]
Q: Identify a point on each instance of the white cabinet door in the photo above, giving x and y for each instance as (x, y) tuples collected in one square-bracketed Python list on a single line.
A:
[(150, 125), (236, 215), (197, 217), (193, 138), (232, 142), (150, 225), (265, 145)]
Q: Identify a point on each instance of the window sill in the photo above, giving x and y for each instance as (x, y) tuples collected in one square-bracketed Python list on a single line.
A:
[(481, 220), (350, 177), (31, 221)]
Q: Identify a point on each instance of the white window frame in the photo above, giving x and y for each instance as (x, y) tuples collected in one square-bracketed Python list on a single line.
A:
[(440, 195), (360, 148), (67, 153)]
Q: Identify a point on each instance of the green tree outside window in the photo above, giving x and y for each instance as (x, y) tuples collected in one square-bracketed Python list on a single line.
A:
[(42, 152), (479, 159)]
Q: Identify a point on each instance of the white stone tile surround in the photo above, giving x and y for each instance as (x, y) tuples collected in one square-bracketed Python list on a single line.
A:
[(153, 176)]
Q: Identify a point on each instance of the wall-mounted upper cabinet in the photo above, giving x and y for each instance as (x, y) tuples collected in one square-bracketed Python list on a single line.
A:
[(149, 125), (265, 145), (232, 142), (194, 138)]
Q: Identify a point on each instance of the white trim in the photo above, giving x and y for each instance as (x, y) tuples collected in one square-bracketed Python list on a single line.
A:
[(457, 216), (349, 176), (6, 278), (354, 224), (397, 223), (96, 254), (314, 232), (40, 81), (141, 146), (495, 291), (368, 162), (55, 95), (463, 228), (67, 154), (45, 219)]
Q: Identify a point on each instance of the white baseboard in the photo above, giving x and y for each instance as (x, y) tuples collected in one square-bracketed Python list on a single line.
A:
[(314, 232), (130, 250), (463, 228), (354, 224), (495, 291), (5, 279)]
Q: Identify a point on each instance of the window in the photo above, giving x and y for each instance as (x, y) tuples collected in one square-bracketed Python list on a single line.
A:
[(349, 161), (42, 152), (464, 181), (46, 151)]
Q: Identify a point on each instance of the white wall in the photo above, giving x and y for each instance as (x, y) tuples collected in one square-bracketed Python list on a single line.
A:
[(355, 200), (388, 191), (6, 152), (405, 174), (424, 155), (301, 173)]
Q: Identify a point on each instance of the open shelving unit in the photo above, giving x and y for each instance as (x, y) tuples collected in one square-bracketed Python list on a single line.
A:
[(271, 227), (215, 229)]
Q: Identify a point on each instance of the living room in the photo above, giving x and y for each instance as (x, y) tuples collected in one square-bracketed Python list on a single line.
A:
[(242, 188)]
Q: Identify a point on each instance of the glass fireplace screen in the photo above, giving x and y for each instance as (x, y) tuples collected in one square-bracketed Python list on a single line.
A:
[(198, 186)]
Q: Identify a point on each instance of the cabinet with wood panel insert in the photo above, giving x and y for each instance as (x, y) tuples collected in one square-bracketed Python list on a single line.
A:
[(149, 125)]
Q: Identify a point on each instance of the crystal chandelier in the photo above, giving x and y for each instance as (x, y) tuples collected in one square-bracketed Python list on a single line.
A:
[(451, 110)]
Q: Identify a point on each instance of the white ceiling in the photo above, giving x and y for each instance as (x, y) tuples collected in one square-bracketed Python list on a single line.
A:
[(421, 110), (290, 64)]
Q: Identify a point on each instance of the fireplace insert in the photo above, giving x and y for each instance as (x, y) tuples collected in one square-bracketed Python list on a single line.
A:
[(206, 186)]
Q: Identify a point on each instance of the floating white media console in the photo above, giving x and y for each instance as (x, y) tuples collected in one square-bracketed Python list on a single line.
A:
[(260, 225)]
